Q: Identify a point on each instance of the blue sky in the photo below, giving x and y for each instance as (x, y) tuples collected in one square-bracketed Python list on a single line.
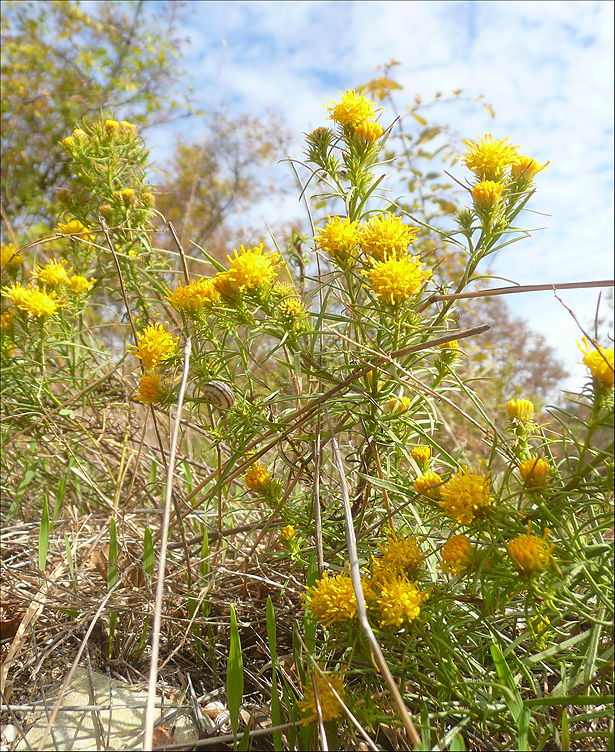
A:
[(545, 67)]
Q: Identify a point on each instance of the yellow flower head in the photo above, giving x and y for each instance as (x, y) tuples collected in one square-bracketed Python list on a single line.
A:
[(155, 344), (257, 478), (129, 197), (251, 268), (399, 601), (451, 345), (338, 238), (525, 168), (401, 554), (599, 362), (368, 132), (128, 128), (396, 280), (291, 308), (75, 227), (329, 704), (386, 236), (80, 285), (488, 158), (225, 286), (465, 496), (8, 259), (530, 554), (398, 404), (53, 274), (31, 300), (193, 296), (112, 126), (457, 555), (353, 110), (7, 322), (421, 455), (486, 194), (287, 534), (428, 485), (540, 623), (534, 472), (151, 389), (332, 599), (520, 410)]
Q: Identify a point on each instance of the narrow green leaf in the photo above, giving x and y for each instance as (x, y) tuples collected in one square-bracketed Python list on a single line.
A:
[(21, 489), (271, 631), (244, 742), (564, 732), (112, 625), (234, 675), (112, 576), (512, 698), (69, 560), (57, 509), (43, 537), (204, 563), (523, 727), (148, 552)]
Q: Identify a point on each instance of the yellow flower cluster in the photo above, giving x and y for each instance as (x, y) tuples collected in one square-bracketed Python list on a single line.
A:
[(53, 274), (465, 496), (600, 363), (396, 280), (249, 269), (80, 285), (398, 405), (75, 227), (9, 258), (534, 472), (155, 345), (399, 601), (520, 410), (332, 599), (525, 168), (457, 555), (421, 455), (488, 159), (329, 704), (338, 238), (31, 300), (287, 534), (386, 236), (428, 484), (530, 554), (193, 296), (151, 390), (368, 132), (486, 194), (401, 555), (257, 478), (353, 111)]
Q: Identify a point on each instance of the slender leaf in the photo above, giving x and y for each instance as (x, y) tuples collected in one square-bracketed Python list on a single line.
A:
[(234, 674)]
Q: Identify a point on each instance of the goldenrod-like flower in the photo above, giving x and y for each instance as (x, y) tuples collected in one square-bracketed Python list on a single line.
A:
[(251, 268), (457, 555), (452, 345), (329, 704), (525, 168), (129, 197), (540, 623), (127, 127), (53, 274), (112, 126), (386, 236), (257, 478), (332, 599), (287, 534), (428, 485), (148, 200), (7, 322), (399, 601), (31, 300), (151, 389), (291, 308), (80, 285), (80, 135), (368, 132), (421, 455), (338, 238), (599, 362), (488, 158), (465, 496), (530, 554), (520, 410), (396, 280), (193, 296), (398, 404), (534, 472), (8, 259), (225, 286), (75, 227), (401, 554), (486, 194), (155, 344), (353, 110)]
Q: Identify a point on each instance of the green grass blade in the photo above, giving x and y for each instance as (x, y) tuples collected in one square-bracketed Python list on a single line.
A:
[(112, 576), (148, 552), (234, 675), (43, 537)]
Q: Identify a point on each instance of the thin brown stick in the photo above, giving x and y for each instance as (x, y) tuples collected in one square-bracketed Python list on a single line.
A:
[(517, 288)]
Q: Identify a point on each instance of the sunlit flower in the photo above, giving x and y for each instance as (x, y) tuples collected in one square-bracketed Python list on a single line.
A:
[(525, 167), (338, 238), (540, 623), (257, 478), (31, 300), (75, 227), (368, 132), (421, 455), (428, 485), (9, 259), (151, 389), (332, 599), (530, 554), (396, 280), (465, 496), (520, 410), (399, 601), (251, 268), (353, 110), (488, 158), (451, 345), (600, 363), (79, 284), (7, 322), (155, 344), (398, 404), (53, 274), (148, 200), (534, 472), (457, 555), (486, 194), (386, 236), (129, 197), (193, 296), (112, 126), (287, 534), (329, 704), (128, 128), (401, 554)]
